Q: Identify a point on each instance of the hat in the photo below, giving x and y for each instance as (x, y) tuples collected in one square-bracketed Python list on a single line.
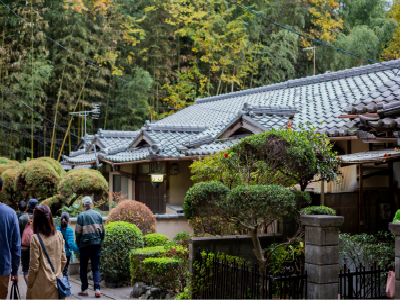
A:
[(87, 200), (32, 203)]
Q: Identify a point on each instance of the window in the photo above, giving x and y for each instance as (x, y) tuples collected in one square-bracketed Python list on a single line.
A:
[(120, 184)]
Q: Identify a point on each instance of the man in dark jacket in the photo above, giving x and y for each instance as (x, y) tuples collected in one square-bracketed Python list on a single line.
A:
[(21, 208), (89, 233), (25, 250), (10, 246)]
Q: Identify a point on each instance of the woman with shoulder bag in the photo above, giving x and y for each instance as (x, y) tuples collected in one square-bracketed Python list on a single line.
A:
[(68, 235), (47, 257)]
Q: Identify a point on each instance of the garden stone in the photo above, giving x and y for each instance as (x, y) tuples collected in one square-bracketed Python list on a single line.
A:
[(163, 294), (170, 296), (155, 293)]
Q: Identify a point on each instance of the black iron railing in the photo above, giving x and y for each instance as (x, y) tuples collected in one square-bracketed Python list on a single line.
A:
[(215, 277), (363, 283)]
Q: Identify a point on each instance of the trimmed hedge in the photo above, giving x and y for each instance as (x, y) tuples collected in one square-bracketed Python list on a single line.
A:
[(318, 210), (155, 239), (166, 271), (114, 263)]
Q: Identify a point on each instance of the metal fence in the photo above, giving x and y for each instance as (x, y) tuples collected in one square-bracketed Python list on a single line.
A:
[(363, 283), (216, 277)]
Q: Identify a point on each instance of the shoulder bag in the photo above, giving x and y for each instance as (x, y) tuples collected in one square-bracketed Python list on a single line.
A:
[(64, 287), (14, 294)]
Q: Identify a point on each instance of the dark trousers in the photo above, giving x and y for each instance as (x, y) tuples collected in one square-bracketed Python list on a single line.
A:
[(91, 252), (65, 271), (25, 258)]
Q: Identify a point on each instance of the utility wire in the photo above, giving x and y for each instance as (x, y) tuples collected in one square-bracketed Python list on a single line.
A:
[(26, 133), (81, 57), (15, 96), (308, 37)]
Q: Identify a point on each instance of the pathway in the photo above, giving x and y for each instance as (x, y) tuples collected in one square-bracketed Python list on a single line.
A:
[(121, 293)]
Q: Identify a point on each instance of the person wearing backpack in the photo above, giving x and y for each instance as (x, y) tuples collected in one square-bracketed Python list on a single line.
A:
[(26, 231), (68, 235)]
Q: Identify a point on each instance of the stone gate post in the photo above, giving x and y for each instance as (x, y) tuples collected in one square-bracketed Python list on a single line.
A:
[(395, 229), (322, 255)]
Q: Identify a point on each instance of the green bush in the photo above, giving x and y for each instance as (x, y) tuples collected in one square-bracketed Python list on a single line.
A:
[(318, 210), (396, 218), (136, 258), (168, 272), (155, 239), (181, 238), (120, 236)]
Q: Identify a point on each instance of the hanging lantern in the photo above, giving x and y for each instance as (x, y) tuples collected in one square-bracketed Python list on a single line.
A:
[(157, 179)]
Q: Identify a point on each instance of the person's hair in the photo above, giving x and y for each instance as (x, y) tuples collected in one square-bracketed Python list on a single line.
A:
[(43, 221), (87, 205), (1, 183), (22, 206), (64, 220)]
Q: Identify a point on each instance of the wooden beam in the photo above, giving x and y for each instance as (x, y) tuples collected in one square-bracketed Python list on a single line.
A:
[(381, 140), (371, 115), (348, 146), (360, 198), (342, 138), (322, 192)]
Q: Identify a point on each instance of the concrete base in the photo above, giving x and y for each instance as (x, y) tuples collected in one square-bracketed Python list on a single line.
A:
[(322, 291)]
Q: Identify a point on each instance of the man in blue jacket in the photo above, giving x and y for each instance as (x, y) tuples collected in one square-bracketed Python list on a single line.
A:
[(89, 233), (10, 246)]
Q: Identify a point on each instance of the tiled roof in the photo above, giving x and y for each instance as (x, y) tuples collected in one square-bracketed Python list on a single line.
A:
[(312, 101), (371, 156), (82, 158), (139, 153)]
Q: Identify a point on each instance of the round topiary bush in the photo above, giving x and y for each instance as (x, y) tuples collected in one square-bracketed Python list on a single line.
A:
[(82, 182), (318, 210), (56, 165), (120, 238), (155, 239), (136, 213), (37, 179), (6, 164), (10, 195)]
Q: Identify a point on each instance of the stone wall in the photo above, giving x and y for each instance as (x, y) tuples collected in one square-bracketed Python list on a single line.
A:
[(236, 245)]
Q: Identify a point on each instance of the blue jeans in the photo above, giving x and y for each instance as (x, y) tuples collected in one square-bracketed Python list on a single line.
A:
[(91, 252)]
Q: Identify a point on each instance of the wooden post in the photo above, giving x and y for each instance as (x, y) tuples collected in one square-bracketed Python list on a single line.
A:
[(322, 192), (348, 146), (360, 198)]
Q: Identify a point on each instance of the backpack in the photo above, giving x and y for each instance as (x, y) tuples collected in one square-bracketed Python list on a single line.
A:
[(28, 232)]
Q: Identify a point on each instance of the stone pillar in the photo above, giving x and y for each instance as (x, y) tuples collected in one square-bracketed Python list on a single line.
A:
[(395, 229), (322, 255)]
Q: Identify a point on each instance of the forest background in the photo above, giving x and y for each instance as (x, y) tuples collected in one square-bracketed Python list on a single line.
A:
[(167, 53)]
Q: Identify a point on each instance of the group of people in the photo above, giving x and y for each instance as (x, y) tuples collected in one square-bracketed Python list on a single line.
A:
[(20, 243)]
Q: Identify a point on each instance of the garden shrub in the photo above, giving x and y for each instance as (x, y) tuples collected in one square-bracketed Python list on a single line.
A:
[(155, 239), (136, 213), (366, 249), (56, 165), (54, 203), (81, 182), (205, 269), (396, 218), (181, 238), (318, 210), (10, 195), (6, 164), (136, 258), (37, 179), (119, 237), (167, 272), (287, 258)]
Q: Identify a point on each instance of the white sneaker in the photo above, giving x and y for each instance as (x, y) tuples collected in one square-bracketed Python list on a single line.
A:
[(97, 293)]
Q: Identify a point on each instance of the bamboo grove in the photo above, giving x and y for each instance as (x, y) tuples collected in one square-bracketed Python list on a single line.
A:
[(166, 53)]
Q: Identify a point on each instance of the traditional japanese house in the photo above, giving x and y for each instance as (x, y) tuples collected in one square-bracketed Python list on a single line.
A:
[(359, 109)]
